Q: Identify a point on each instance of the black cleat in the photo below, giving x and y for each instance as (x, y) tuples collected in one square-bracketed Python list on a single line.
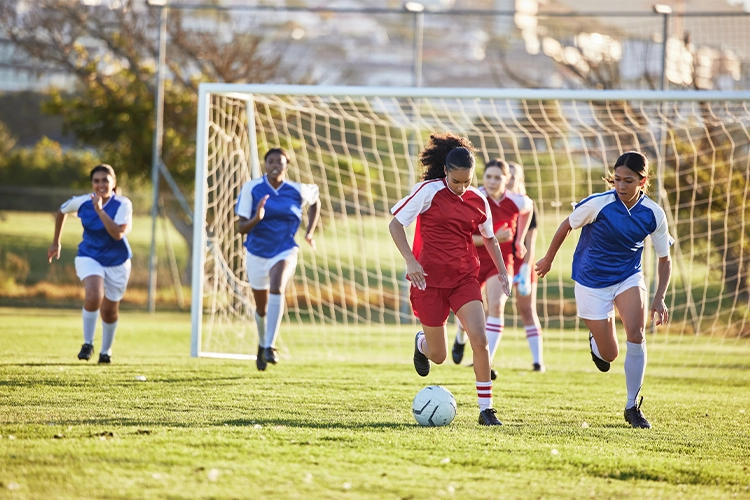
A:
[(87, 350), (260, 361), (487, 417), (270, 356), (421, 363), (634, 416), (458, 352), (104, 359), (599, 362), (539, 368), (493, 374)]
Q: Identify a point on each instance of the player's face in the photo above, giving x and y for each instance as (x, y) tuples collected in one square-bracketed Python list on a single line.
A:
[(495, 181), (103, 184), (511, 184), (628, 185), (276, 166), (459, 180)]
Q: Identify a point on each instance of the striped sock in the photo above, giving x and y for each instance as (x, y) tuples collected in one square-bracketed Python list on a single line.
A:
[(494, 334), (534, 338), (484, 395)]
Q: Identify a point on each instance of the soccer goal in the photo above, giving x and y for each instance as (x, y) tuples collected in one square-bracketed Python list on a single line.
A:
[(360, 145)]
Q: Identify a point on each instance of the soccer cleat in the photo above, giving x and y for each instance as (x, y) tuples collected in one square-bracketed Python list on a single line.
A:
[(458, 352), (493, 374), (634, 416), (270, 356), (421, 363), (599, 362), (539, 368), (104, 359), (487, 417), (87, 350), (260, 361)]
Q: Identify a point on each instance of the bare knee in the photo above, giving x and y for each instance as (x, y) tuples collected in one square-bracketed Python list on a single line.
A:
[(609, 355), (438, 359)]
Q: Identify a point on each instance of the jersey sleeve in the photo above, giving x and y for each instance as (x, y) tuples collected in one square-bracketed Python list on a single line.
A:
[(244, 207), (523, 202), (72, 205), (584, 213), (485, 228), (124, 214), (310, 193), (407, 210), (661, 238)]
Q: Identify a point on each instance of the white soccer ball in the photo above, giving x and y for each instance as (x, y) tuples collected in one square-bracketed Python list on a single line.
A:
[(434, 406)]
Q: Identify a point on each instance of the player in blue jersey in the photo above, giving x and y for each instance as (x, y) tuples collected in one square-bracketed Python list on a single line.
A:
[(608, 274), (103, 259), (270, 213)]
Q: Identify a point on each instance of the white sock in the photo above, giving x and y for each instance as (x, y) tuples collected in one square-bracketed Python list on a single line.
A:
[(421, 342), (89, 325), (594, 347), (274, 314), (484, 395), (494, 334), (635, 369), (460, 333), (534, 338), (260, 322), (108, 337)]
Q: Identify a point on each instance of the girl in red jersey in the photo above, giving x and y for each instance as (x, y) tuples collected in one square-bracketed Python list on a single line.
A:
[(444, 275), (511, 213)]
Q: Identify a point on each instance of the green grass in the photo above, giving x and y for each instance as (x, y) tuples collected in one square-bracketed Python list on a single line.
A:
[(333, 420)]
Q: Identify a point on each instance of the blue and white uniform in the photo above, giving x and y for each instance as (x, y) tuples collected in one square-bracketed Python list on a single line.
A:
[(272, 239), (609, 252), (99, 253)]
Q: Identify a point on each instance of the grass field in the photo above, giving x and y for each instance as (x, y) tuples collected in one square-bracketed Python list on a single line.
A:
[(328, 424)]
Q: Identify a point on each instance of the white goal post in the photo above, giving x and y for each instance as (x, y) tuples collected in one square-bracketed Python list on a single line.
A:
[(360, 145)]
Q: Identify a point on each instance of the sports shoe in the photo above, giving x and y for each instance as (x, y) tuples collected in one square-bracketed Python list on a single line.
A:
[(539, 368), (104, 359), (260, 361), (599, 362), (493, 374), (87, 350), (487, 417), (458, 352), (421, 363), (270, 356), (634, 416)]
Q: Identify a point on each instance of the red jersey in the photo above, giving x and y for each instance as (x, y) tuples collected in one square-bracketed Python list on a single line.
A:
[(443, 243), (505, 212)]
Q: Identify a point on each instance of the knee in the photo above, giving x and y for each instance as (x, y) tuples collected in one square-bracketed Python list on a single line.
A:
[(609, 355), (439, 358)]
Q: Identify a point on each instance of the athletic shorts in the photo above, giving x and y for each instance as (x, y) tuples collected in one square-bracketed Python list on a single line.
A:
[(115, 277), (487, 269), (599, 303), (433, 305), (259, 268)]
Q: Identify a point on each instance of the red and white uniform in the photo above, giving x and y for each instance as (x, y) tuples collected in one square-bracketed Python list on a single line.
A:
[(447, 222), (504, 212)]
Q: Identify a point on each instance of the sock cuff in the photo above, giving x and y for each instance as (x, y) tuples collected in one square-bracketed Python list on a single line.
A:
[(492, 320), (90, 314), (532, 328), (636, 349), (484, 385), (274, 297), (110, 324)]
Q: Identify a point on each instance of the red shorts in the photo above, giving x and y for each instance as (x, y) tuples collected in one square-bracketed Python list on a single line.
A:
[(487, 268), (433, 305)]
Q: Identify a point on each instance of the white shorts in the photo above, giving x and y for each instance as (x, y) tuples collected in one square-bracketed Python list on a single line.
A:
[(599, 303), (115, 277), (259, 268)]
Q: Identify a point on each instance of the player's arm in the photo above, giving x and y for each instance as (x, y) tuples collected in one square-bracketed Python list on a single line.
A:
[(658, 307), (246, 225), (54, 249), (493, 247), (313, 215), (522, 228), (544, 264), (414, 270), (115, 230)]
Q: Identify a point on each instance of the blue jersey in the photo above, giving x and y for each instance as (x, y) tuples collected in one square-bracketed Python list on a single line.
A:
[(97, 242), (611, 244), (275, 232)]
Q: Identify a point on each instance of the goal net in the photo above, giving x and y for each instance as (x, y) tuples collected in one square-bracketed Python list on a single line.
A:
[(360, 145)]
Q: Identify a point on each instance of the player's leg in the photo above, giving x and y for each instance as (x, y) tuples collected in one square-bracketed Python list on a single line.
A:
[(279, 275), (596, 307), (495, 321), (115, 283), (256, 269), (632, 306), (432, 308), (459, 343), (527, 309), (91, 274)]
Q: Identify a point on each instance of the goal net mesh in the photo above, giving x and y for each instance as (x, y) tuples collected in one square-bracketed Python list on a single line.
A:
[(362, 151)]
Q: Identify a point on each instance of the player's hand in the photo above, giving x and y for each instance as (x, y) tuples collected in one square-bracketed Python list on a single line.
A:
[(311, 241), (520, 252), (659, 312), (53, 251), (260, 211), (97, 201), (543, 266), (504, 234), (504, 282), (415, 273)]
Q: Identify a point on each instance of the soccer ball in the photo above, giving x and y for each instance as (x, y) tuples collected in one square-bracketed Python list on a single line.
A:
[(434, 406)]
